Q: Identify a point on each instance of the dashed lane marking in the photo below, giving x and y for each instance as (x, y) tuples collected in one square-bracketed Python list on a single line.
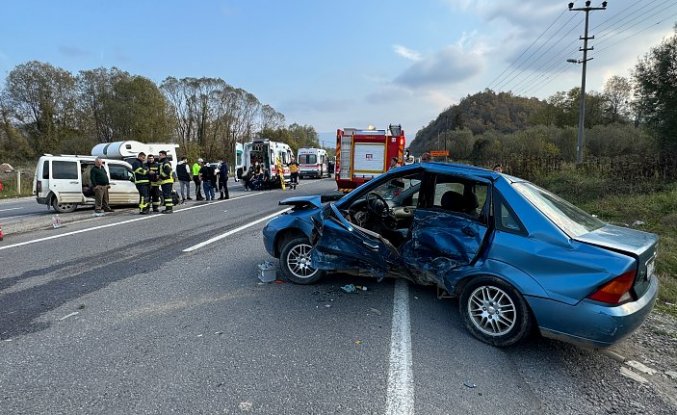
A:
[(232, 231)]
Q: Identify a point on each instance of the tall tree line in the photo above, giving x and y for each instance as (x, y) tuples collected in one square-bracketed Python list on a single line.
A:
[(46, 109)]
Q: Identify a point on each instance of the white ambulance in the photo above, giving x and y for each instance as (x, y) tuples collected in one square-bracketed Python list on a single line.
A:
[(313, 162), (265, 153)]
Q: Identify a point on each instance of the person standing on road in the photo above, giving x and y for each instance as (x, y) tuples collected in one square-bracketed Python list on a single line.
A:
[(293, 173), (142, 182), (223, 180), (101, 184), (183, 173), (196, 178), (154, 177), (166, 181), (208, 179)]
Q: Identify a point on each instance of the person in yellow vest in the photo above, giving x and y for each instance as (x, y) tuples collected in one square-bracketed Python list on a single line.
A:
[(280, 172), (166, 181), (294, 172), (154, 176)]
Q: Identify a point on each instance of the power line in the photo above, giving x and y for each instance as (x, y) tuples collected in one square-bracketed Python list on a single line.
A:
[(517, 66), (527, 49), (551, 63), (619, 29), (607, 47), (628, 12), (541, 46)]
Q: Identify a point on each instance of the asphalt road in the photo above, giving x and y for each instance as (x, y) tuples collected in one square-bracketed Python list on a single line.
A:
[(111, 315)]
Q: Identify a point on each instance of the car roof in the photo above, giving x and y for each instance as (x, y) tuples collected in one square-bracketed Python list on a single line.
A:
[(458, 168)]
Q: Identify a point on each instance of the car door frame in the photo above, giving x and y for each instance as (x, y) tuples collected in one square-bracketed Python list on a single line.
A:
[(436, 271), (66, 190), (122, 192), (358, 248)]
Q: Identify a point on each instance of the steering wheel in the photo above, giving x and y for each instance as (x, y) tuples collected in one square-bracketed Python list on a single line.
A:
[(377, 205)]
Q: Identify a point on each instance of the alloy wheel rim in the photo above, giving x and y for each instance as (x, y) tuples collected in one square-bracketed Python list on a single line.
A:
[(298, 261), (492, 311)]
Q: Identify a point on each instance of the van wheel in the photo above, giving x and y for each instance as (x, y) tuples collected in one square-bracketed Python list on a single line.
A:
[(63, 207)]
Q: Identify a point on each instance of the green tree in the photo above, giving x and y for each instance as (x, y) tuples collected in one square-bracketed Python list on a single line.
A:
[(617, 93), (43, 102), (139, 111), (656, 92)]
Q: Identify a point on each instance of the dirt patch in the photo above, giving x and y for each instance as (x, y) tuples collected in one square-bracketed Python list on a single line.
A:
[(654, 345)]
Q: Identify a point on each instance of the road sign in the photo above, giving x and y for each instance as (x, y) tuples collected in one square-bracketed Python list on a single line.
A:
[(439, 153)]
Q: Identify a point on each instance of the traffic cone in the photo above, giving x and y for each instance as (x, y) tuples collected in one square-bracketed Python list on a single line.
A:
[(2, 235)]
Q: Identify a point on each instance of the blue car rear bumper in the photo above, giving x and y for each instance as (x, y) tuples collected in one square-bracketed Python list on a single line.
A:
[(590, 323)]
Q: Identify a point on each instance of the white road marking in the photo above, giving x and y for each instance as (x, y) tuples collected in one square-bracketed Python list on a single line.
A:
[(124, 222), (400, 393), (5, 210), (75, 313), (232, 231)]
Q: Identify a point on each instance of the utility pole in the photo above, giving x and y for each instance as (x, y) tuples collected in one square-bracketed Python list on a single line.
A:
[(581, 112)]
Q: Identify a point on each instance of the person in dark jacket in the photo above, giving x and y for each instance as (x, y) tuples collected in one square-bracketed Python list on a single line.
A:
[(101, 184), (208, 179), (183, 173), (142, 182), (223, 180)]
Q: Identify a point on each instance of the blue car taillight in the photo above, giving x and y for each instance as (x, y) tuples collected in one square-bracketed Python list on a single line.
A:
[(616, 291)]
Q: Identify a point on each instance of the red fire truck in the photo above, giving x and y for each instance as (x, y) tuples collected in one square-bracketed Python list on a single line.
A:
[(364, 154)]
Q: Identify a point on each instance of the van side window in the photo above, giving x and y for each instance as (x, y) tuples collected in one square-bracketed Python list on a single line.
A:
[(64, 170), (45, 169), (117, 172)]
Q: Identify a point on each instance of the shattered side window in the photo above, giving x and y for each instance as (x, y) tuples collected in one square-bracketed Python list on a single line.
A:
[(401, 191)]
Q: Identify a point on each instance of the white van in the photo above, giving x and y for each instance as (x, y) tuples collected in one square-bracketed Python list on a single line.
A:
[(313, 162), (62, 182)]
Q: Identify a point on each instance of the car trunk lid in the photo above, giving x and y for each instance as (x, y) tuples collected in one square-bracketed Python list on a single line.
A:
[(640, 245)]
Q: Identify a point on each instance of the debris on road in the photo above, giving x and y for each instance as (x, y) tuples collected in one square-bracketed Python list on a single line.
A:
[(245, 406), (671, 374), (375, 311), (470, 385), (641, 367), (74, 313), (632, 375), (267, 271), (56, 222), (349, 289), (358, 342)]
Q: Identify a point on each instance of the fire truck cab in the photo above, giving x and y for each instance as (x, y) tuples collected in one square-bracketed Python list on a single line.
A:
[(364, 154)]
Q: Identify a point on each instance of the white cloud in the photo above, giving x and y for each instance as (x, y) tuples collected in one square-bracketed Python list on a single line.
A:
[(407, 53), (448, 66)]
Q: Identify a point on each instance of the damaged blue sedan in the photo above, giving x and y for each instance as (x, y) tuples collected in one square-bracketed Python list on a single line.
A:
[(517, 256)]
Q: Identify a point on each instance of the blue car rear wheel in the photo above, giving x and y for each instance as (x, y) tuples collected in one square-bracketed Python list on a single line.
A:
[(494, 312)]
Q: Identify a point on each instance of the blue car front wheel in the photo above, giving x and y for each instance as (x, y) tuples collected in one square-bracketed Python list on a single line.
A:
[(295, 261), (494, 312)]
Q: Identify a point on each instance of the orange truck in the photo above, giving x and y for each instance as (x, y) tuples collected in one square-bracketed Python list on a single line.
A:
[(362, 155)]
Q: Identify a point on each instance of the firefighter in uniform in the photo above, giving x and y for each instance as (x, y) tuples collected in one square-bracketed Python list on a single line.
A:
[(166, 181), (142, 182), (154, 177)]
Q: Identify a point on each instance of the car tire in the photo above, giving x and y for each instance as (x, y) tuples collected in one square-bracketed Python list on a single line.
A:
[(295, 261), (63, 207), (494, 312)]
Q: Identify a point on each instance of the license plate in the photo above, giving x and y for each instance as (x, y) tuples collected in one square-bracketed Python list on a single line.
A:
[(650, 268)]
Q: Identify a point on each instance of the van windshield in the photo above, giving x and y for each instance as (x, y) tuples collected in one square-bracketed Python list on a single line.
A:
[(308, 159)]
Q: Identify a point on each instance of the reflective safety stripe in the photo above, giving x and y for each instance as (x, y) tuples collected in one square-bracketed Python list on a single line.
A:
[(143, 181), (167, 181), (169, 203)]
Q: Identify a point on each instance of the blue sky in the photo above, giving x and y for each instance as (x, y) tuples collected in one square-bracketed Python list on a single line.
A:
[(337, 64)]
